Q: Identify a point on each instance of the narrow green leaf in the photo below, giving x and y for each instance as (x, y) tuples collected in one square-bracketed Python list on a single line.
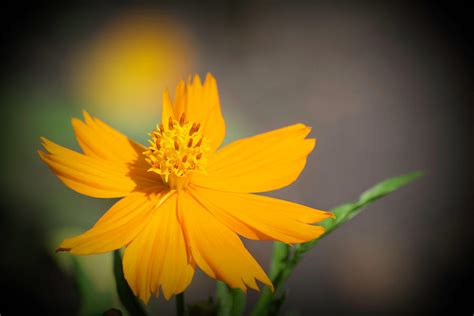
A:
[(387, 186), (347, 211), (128, 299), (285, 259)]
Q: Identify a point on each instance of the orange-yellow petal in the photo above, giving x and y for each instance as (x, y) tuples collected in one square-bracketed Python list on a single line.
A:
[(263, 218), (260, 163), (216, 249), (116, 228), (101, 141), (200, 103), (92, 176), (158, 257), (167, 107), (180, 99)]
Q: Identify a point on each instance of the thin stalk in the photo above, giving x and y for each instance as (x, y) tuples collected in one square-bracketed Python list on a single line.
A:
[(180, 304)]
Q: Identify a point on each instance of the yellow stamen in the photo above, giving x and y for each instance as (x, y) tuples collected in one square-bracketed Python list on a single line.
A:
[(199, 142), (176, 150), (182, 119), (194, 128)]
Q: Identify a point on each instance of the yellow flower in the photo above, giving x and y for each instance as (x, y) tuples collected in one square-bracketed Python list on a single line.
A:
[(184, 202)]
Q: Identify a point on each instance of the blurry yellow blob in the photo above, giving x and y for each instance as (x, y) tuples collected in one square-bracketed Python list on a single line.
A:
[(123, 71)]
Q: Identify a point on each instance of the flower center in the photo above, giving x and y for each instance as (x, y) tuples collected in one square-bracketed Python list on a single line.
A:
[(176, 149)]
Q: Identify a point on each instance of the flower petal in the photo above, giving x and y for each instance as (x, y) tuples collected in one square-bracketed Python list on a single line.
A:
[(157, 257), (216, 249), (167, 107), (116, 228), (260, 163), (200, 103), (101, 141), (92, 176), (263, 218)]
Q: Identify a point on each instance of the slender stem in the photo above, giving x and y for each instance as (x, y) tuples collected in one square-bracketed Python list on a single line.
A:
[(180, 304)]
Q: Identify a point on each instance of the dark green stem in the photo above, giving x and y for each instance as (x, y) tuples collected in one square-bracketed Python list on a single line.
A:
[(180, 304)]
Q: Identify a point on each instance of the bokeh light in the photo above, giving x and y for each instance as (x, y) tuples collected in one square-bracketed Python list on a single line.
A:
[(123, 70)]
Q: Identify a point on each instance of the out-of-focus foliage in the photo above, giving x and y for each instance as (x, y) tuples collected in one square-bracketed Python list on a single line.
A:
[(128, 299)]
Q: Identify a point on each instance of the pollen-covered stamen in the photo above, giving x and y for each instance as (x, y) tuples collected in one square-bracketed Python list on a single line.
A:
[(182, 119), (194, 128), (199, 142), (176, 149)]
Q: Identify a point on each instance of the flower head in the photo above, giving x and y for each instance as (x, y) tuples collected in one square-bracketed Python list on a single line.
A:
[(184, 201), (177, 149)]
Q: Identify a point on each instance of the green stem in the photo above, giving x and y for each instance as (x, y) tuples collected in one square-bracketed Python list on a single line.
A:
[(230, 302), (180, 304), (280, 259)]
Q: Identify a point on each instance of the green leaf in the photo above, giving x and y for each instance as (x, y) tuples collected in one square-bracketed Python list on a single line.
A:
[(93, 301), (387, 186), (347, 211), (125, 293)]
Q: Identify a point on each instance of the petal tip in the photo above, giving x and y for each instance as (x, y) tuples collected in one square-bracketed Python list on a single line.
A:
[(85, 113), (75, 122), (272, 288), (43, 139), (210, 78), (60, 249), (197, 80)]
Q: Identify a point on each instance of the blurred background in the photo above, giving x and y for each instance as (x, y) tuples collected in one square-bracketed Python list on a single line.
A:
[(386, 86)]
